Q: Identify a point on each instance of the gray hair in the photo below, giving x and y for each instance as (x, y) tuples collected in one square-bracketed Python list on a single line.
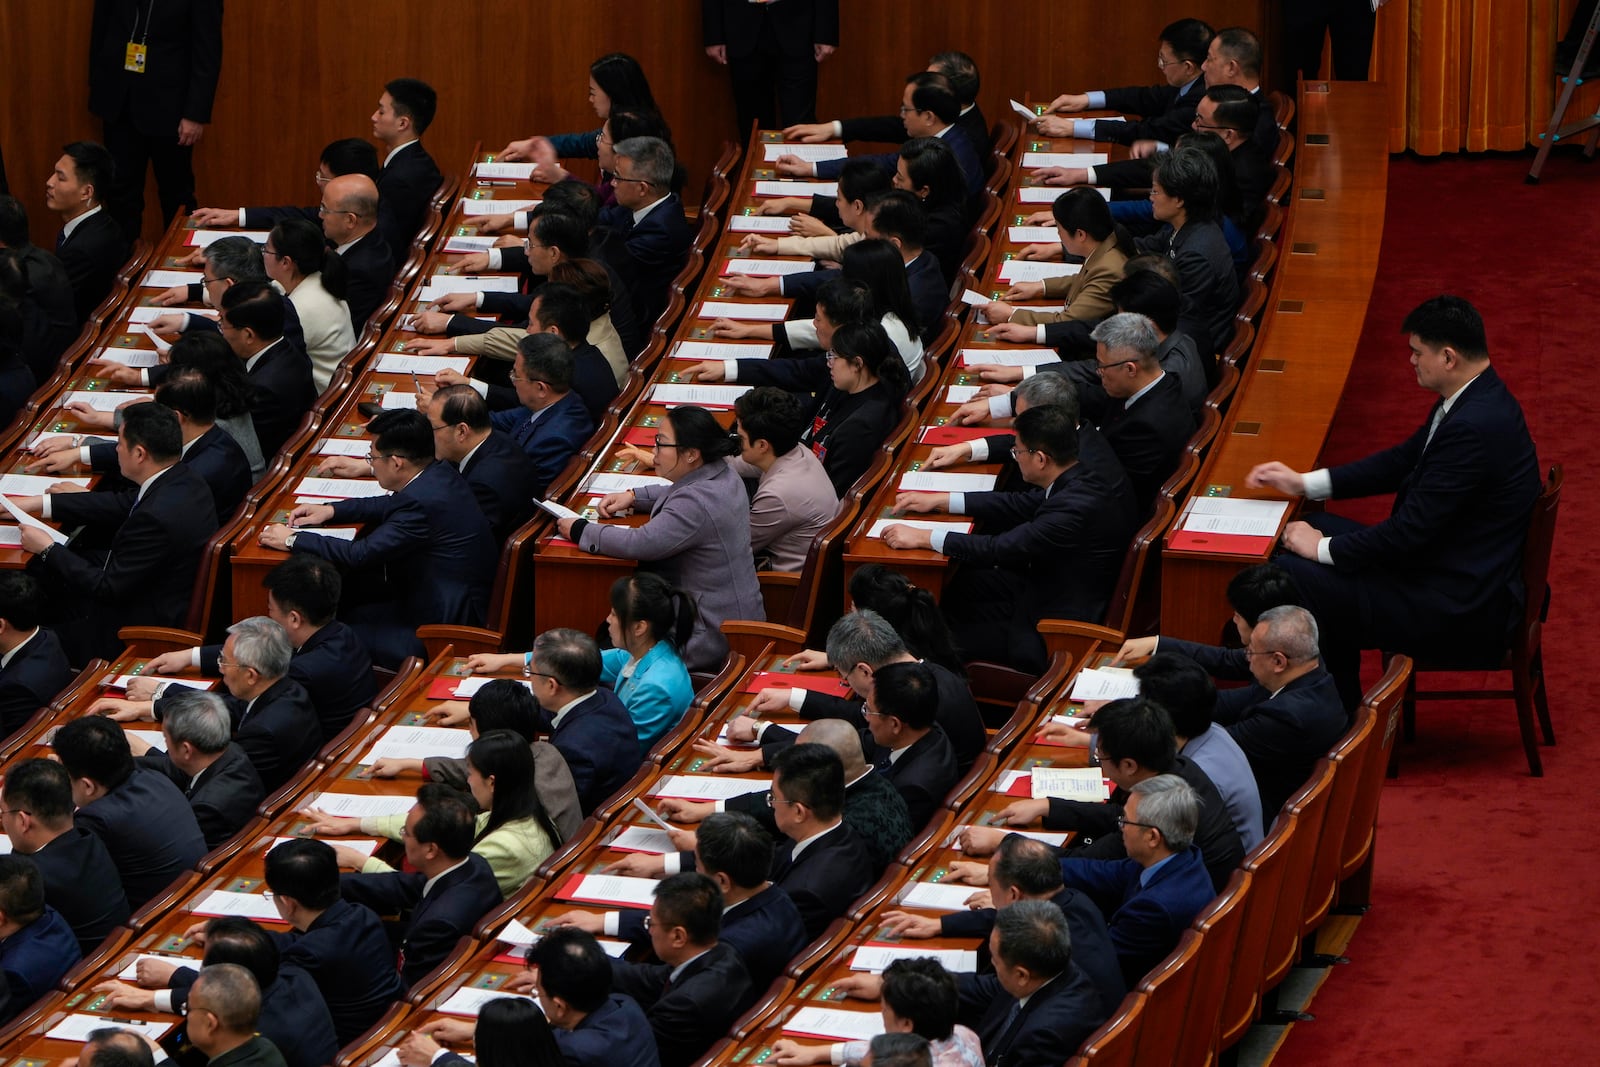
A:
[(1131, 332), (229, 992), (863, 636), (1171, 805), (198, 717), (236, 259), (652, 158), (1292, 631), (901, 1050), (1046, 390), (1033, 934), (263, 645)]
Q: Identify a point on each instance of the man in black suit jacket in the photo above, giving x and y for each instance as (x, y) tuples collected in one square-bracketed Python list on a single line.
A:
[(928, 108), (350, 221), (1441, 577), (1054, 554), (594, 1026), (409, 177), (962, 73), (701, 986), (140, 816), (644, 236), (428, 536), (33, 668), (771, 52), (147, 576), (214, 773), (501, 475), (1142, 412), (156, 104), (281, 387), (41, 288), (586, 722), (823, 866), (447, 889), (1165, 110), (91, 246), (80, 881)]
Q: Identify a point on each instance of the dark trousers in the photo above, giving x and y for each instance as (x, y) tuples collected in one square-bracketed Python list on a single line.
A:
[(981, 606), (1348, 23), (132, 151), (767, 77)]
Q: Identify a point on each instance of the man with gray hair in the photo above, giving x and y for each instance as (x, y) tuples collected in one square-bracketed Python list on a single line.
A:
[(898, 1050), (1151, 897), (644, 237), (1142, 412), (203, 761), (224, 1007)]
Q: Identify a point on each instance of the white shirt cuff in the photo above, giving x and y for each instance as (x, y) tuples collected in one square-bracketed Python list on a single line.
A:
[(519, 220), (936, 541), (163, 997), (1097, 99), (836, 1053), (957, 504), (1162, 148), (813, 170), (719, 806), (671, 863), (1319, 484), (479, 387), (194, 657), (1324, 552), (612, 923), (730, 370), (477, 301), (1000, 406), (1029, 372), (144, 380), (494, 259), (1083, 129), (797, 699), (242, 223), (980, 449), (1038, 338), (1088, 176), (44, 506), (838, 129), (83, 455)]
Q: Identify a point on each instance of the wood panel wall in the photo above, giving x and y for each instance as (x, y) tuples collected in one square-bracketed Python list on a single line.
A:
[(300, 73)]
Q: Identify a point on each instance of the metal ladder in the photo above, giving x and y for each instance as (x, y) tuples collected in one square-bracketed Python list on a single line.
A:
[(1557, 132)]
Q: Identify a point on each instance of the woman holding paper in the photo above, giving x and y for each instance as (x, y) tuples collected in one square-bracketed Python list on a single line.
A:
[(698, 536), (312, 276)]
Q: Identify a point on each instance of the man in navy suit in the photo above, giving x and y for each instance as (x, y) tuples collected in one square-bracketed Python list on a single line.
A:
[(1151, 897), (1051, 554), (446, 889), (1141, 411), (644, 236), (91, 246), (347, 155), (80, 881), (962, 73), (1165, 110), (36, 944), (586, 722), (1441, 576), (701, 986), (33, 669), (551, 424), (409, 177), (501, 474), (281, 388), (350, 212), (203, 760), (340, 944), (428, 533), (147, 576), (138, 814), (594, 1025)]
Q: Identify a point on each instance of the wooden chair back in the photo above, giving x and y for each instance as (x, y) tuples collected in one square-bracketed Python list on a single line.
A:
[(1227, 376), (1218, 926), (1002, 136), (1266, 864), (1361, 833), (1266, 256), (1134, 604), (1169, 985), (1255, 298), (1238, 350), (1114, 1044), (1282, 179), (1349, 757), (1310, 808), (749, 638)]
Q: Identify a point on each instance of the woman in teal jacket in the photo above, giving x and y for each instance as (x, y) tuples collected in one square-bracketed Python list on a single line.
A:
[(649, 621)]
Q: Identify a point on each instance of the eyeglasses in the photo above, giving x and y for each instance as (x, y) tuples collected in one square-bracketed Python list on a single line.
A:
[(226, 664), (1201, 126), (1123, 820), (1266, 652), (1162, 62), (319, 179), (436, 429), (214, 281), (1101, 368), (641, 181), (515, 376), (773, 800), (324, 209), (15, 811), (1016, 451), (601, 138), (661, 442), (273, 252)]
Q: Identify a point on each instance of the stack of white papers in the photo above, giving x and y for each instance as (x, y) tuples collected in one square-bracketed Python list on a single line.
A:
[(1009, 357), (1105, 683), (469, 1001), (393, 400), (728, 309), (709, 396), (1049, 837), (619, 483), (643, 839), (250, 905), (1076, 160), (166, 279), (931, 525), (876, 957), (722, 350), (395, 363), (834, 1023), (344, 446), (203, 238), (1036, 270), (936, 897), (706, 787), (121, 682), (131, 971), (1033, 235), (129, 357), (1047, 194), (468, 688), (944, 482), (797, 188), (768, 267), (359, 805), (514, 171), (778, 224), (419, 742), (34, 484), (960, 394), (78, 1027), (101, 401), (1235, 515), (339, 488), (461, 243), (439, 284), (614, 889), (470, 206), (811, 153), (1069, 783)]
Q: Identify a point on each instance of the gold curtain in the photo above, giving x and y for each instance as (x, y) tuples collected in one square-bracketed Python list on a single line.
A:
[(1472, 75)]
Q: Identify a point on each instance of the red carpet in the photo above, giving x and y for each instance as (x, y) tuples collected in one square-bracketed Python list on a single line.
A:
[(1480, 946)]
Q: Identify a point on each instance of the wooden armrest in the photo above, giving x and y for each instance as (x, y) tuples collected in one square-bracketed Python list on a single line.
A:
[(747, 636), (160, 635), (1069, 635), (778, 577), (466, 639)]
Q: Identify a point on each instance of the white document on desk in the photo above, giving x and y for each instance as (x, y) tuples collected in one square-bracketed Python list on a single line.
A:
[(395, 363), (766, 268), (643, 839), (931, 525), (1036, 270), (1047, 194), (1105, 683), (359, 805), (711, 396), (619, 483), (945, 482), (1023, 109), (339, 488), (470, 1001), (344, 446), (707, 787), (835, 1023), (1033, 235), (615, 889), (960, 394), (121, 682), (728, 309), (473, 283), (470, 206), (462, 243), (166, 279), (468, 688), (1070, 783), (205, 238), (140, 315), (1049, 837), (419, 742), (101, 401), (250, 905), (1075, 160), (875, 958), (778, 224), (721, 350), (24, 519), (130, 357), (77, 1027), (34, 484), (811, 153), (935, 896), (1009, 357), (131, 971), (522, 172), (1235, 515), (770, 188), (154, 738)]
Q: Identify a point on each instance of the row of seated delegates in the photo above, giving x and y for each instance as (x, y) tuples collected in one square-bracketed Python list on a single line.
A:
[(960, 72), (91, 245), (920, 1004), (428, 527), (897, 219), (36, 283), (698, 534), (33, 667), (403, 184), (634, 120)]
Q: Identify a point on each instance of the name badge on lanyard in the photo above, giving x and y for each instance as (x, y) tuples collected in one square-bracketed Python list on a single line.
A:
[(133, 60)]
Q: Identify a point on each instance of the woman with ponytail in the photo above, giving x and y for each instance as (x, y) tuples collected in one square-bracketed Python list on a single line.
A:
[(649, 622), (911, 610)]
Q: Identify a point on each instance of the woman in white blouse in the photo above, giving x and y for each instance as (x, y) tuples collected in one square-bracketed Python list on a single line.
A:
[(312, 276)]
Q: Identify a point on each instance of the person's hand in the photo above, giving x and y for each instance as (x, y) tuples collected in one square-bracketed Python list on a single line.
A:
[(613, 504), (742, 730), (907, 538), (178, 294), (492, 225), (394, 767), (807, 225), (971, 413), (470, 263), (310, 515), (431, 346), (748, 285), (823, 51), (771, 699), (46, 446), (996, 311), (1023, 812), (190, 132), (215, 216), (417, 1050), (455, 303), (638, 865), (980, 899), (169, 662), (757, 245), (342, 467), (1302, 539), (142, 688), (1068, 103), (807, 659), (946, 456), (1050, 126), (809, 132), (683, 840), (710, 370), (57, 488), (449, 1031), (783, 205), (154, 974), (564, 527), (494, 662), (1040, 252), (274, 535), (450, 713), (1144, 148), (521, 982), (115, 373), (787, 1053), (118, 710), (988, 389), (994, 372), (1135, 649), (320, 824), (733, 329), (689, 811), (1061, 176), (908, 925), (33, 505), (59, 462), (967, 872), (121, 995), (860, 986), (448, 377), (718, 53), (587, 921), (980, 840), (517, 151), (644, 457), (349, 859), (429, 323), (196, 933), (1075, 733), (722, 760), (1275, 475), (792, 167), (920, 503)]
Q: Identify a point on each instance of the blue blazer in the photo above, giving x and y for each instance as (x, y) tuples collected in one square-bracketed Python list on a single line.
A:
[(502, 476), (434, 538), (149, 829), (432, 923), (1047, 1030), (826, 878), (598, 741), (656, 694), (1145, 921), (689, 1014), (332, 667), (550, 440), (646, 255), (215, 456), (616, 1034), (955, 140), (32, 679), (405, 188), (346, 953), (33, 960), (766, 929)]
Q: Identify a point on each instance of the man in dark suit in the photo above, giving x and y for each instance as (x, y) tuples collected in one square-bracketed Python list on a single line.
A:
[(147, 576), (772, 52), (223, 1017), (201, 758), (281, 387), (1054, 554), (501, 474), (1023, 868), (349, 211), (36, 944), (33, 669), (1441, 576), (701, 986), (347, 155), (91, 246), (962, 73), (445, 889), (644, 236), (1292, 713), (409, 177), (340, 944), (594, 1025), (138, 814), (586, 722), (551, 423), (1142, 412), (560, 309), (1234, 58), (928, 108), (38, 283), (1165, 110), (80, 881), (152, 78), (1153, 895), (428, 534)]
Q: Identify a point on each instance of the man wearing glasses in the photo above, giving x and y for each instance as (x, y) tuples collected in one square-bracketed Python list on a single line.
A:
[(349, 211), (644, 236), (550, 422)]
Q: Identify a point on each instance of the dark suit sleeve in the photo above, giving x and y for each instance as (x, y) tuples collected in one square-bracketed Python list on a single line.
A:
[(1141, 99), (510, 306), (389, 893), (205, 59), (830, 169), (140, 545), (1124, 173), (458, 325), (1229, 663), (885, 128), (398, 532), (641, 981), (712, 30), (1090, 820), (975, 993), (1437, 496), (975, 923), (264, 218), (803, 375)]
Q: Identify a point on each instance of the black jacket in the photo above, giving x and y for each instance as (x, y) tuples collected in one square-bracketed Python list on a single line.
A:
[(281, 392), (179, 81), (370, 266), (405, 189), (82, 883), (1148, 437), (150, 831), (48, 307), (224, 796), (502, 477), (827, 877), (430, 925), (1054, 1022), (36, 673), (690, 1013), (91, 257), (345, 952)]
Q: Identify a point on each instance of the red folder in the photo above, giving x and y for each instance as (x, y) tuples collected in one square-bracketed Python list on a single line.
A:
[(444, 688), (643, 436), (952, 435), (1229, 544), (1022, 787), (817, 683)]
